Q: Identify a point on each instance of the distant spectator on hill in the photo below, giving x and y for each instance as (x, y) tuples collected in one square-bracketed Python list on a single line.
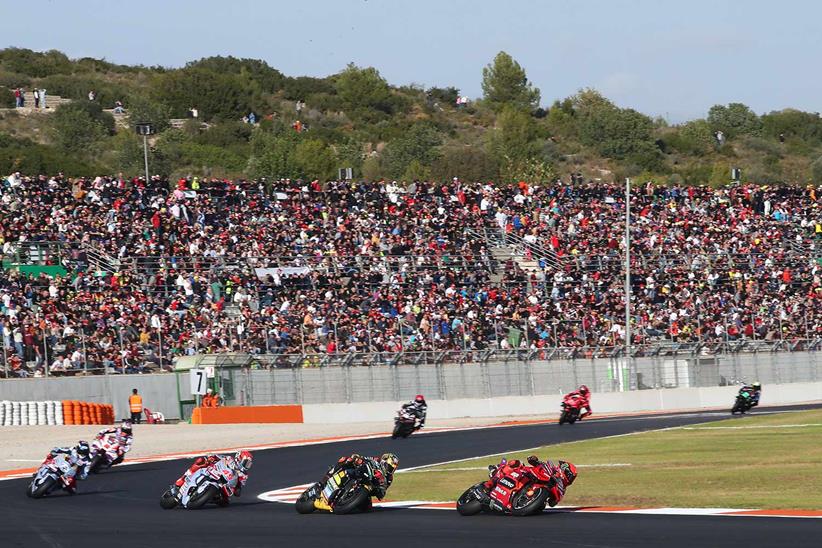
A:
[(118, 107), (18, 97), (92, 95), (36, 98)]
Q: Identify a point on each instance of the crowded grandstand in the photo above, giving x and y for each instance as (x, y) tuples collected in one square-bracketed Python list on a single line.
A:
[(135, 273)]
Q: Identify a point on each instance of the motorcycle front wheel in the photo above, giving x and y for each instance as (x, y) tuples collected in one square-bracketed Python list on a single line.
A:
[(563, 417), (526, 505), (168, 500), (305, 504), (40, 490), (468, 504)]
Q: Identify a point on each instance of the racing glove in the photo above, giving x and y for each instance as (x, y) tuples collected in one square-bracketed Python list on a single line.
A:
[(533, 460)]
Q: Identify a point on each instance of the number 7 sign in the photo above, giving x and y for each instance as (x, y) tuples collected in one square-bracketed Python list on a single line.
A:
[(198, 381)]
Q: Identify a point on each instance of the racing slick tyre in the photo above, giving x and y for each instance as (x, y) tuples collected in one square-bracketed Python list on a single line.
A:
[(526, 505), (168, 500), (40, 490), (468, 504), (305, 504), (396, 433), (200, 500), (97, 464), (352, 498), (563, 417)]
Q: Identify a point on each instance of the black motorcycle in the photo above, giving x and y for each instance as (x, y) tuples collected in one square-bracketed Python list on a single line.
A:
[(744, 402)]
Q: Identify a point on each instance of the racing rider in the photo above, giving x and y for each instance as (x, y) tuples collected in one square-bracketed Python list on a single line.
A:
[(124, 436), (562, 475), (755, 390), (583, 395), (385, 465), (240, 462), (74, 462), (418, 408)]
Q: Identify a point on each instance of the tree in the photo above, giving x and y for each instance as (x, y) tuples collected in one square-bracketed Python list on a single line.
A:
[(612, 131), (214, 94), (734, 119), (696, 137), (272, 155), (316, 159), (363, 88), (418, 144), (790, 122), (514, 137), (504, 83), (471, 163), (79, 125), (141, 109)]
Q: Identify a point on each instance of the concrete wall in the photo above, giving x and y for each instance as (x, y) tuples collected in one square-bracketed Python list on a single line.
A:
[(159, 391), (615, 402)]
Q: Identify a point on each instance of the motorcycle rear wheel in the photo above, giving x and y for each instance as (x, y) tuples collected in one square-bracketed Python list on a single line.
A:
[(168, 500), (41, 490), (468, 504), (97, 464), (525, 505), (352, 498), (200, 500)]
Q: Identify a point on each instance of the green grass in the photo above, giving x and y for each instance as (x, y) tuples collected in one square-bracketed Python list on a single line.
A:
[(705, 465)]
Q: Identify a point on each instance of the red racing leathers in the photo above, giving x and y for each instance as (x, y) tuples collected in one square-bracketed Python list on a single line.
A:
[(557, 486), (199, 462), (583, 400)]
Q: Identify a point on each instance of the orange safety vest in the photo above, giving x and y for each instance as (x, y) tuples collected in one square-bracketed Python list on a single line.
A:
[(135, 402)]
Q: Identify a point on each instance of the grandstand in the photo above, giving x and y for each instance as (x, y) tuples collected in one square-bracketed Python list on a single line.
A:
[(109, 275)]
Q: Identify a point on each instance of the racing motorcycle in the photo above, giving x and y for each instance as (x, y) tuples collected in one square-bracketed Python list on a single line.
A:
[(404, 424), (50, 476), (215, 483), (571, 406), (105, 453), (346, 491), (521, 492), (744, 402)]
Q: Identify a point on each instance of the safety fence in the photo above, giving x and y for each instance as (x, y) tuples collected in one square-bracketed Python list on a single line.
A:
[(247, 380)]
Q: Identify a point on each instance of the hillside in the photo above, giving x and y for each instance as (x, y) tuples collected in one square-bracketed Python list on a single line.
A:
[(308, 127)]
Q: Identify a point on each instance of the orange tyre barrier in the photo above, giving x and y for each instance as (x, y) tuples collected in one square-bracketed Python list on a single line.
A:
[(68, 412)]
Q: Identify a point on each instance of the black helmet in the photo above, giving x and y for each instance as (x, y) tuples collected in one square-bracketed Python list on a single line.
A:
[(82, 449)]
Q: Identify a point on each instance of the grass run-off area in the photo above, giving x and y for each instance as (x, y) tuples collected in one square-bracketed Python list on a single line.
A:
[(766, 461)]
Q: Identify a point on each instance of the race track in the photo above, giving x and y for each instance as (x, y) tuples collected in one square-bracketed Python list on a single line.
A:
[(120, 507)]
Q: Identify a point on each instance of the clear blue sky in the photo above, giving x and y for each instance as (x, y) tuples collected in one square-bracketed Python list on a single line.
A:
[(663, 57)]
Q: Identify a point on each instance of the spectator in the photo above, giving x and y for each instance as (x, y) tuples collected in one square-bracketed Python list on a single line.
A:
[(210, 399)]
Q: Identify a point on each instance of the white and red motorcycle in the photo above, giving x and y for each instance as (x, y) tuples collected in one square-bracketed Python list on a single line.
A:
[(215, 483), (105, 453), (52, 475)]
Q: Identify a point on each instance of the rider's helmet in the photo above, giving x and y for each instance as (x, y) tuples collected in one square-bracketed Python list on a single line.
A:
[(419, 398), (569, 471), (757, 386), (82, 449), (584, 390), (243, 461), (126, 426), (389, 462)]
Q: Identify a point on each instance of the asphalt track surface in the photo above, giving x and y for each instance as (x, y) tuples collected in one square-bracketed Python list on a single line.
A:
[(120, 507)]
